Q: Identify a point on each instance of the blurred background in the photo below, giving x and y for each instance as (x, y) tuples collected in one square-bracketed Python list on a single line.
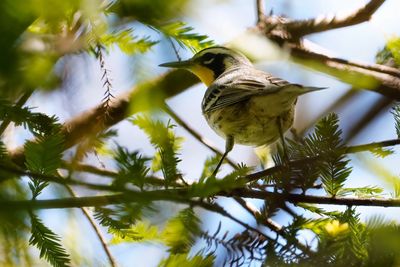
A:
[(364, 116)]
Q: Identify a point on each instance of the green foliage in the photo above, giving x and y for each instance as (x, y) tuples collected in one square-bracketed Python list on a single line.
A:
[(181, 231), (36, 34), (208, 186), (48, 243), (118, 219), (327, 138), (96, 144), (393, 45), (44, 155), (209, 166), (240, 248), (185, 37), (37, 123), (367, 191), (179, 260), (132, 168), (141, 231), (151, 12), (163, 138), (390, 54), (126, 41), (327, 161), (382, 152)]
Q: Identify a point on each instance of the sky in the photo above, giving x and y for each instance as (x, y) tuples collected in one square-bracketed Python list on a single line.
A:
[(223, 21)]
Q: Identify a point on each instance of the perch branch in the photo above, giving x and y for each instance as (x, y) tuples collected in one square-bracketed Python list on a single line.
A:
[(323, 23)]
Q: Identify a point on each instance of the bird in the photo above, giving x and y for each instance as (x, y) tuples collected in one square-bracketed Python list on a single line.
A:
[(242, 104)]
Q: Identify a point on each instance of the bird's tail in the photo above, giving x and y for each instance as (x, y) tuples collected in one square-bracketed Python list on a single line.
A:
[(301, 90)]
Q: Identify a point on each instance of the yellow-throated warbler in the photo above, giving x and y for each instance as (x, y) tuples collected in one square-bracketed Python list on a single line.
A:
[(242, 104)]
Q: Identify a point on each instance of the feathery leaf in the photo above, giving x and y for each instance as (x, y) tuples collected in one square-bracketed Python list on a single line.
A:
[(48, 243)]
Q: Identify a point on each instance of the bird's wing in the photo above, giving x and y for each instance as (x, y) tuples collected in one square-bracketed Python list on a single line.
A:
[(240, 88)]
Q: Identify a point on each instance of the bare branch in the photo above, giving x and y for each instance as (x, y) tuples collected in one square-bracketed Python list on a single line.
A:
[(300, 198), (304, 27), (377, 78)]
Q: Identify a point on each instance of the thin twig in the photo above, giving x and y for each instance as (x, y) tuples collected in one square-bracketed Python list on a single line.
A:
[(105, 78), (174, 48), (96, 229), (271, 224), (196, 135)]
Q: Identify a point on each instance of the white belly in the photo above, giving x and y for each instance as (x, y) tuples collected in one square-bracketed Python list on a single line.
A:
[(253, 122)]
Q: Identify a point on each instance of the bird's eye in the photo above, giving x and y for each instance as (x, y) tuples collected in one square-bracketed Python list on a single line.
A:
[(207, 58)]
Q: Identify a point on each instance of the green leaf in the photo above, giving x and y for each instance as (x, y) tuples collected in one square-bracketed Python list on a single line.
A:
[(382, 152), (167, 144), (180, 260), (185, 37), (38, 123), (126, 41), (48, 243), (132, 168), (44, 154), (208, 186), (180, 232), (141, 231), (367, 191), (118, 219), (324, 148), (326, 141), (209, 166), (393, 45)]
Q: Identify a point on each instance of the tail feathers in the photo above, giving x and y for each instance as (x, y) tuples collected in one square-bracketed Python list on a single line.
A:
[(300, 90)]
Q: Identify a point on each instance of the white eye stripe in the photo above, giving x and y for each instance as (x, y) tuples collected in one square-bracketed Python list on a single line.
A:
[(209, 61)]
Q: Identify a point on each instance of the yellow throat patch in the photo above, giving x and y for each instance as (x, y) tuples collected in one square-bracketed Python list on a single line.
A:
[(205, 75)]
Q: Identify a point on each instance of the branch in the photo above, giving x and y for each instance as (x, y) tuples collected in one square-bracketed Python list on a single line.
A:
[(374, 77), (271, 224), (345, 150), (300, 198), (260, 11), (96, 229), (94, 120), (304, 27), (178, 196)]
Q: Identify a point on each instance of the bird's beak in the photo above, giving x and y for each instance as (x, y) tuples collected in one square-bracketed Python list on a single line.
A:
[(178, 64)]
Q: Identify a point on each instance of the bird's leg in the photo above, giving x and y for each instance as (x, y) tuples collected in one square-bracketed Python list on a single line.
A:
[(280, 129), (228, 147)]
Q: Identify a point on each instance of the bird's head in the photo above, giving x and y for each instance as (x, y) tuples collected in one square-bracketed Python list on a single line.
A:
[(210, 63)]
